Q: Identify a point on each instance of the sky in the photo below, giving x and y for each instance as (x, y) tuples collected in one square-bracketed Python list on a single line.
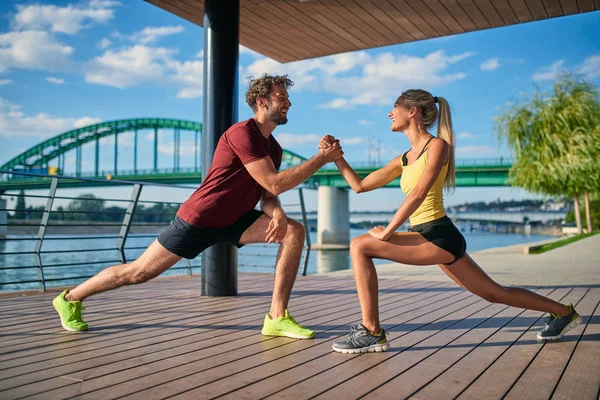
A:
[(68, 64)]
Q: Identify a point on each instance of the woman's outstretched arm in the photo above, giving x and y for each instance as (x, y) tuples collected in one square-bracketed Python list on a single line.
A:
[(374, 180)]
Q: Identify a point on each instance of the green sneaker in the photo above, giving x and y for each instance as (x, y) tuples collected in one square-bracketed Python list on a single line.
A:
[(69, 313), (285, 326)]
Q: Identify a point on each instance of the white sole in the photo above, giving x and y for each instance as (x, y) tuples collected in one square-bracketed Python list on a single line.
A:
[(378, 348), (288, 335), (578, 321)]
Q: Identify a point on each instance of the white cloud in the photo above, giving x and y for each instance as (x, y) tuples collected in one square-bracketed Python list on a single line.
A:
[(361, 79), (5, 82), (129, 67), (490, 65), (466, 135), (14, 122), (86, 121), (364, 122), (289, 140), (189, 77), (141, 64), (33, 50), (68, 20), (590, 67), (548, 73), (104, 43), (186, 148), (56, 81), (336, 104), (152, 34)]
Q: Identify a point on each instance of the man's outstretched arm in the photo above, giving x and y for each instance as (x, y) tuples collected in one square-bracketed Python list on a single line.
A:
[(264, 172)]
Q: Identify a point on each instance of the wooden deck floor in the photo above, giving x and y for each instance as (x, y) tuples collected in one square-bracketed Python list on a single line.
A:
[(162, 340)]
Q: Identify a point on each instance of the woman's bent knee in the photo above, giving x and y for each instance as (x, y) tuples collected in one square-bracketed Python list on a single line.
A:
[(360, 244)]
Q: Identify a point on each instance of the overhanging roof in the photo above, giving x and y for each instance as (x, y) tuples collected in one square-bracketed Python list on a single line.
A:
[(290, 30)]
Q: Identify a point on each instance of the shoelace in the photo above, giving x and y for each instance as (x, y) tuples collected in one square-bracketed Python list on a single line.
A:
[(549, 319), (77, 310), (355, 331)]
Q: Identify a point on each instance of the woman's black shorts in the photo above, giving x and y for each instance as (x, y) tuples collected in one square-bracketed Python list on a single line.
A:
[(187, 241), (444, 235)]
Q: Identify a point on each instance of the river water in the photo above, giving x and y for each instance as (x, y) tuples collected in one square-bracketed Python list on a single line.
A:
[(251, 258)]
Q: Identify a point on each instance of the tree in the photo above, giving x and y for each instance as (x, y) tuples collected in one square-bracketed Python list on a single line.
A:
[(20, 206), (86, 207), (555, 138)]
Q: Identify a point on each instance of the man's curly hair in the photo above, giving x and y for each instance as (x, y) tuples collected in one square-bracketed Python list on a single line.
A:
[(260, 87)]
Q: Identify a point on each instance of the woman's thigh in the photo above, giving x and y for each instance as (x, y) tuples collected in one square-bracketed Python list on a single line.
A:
[(403, 247)]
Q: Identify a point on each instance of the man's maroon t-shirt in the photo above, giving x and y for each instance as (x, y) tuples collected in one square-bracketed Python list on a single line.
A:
[(229, 191)]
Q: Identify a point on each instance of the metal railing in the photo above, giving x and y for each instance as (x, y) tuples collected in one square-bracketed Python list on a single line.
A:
[(73, 243)]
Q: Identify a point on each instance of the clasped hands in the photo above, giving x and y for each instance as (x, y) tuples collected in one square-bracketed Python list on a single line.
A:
[(330, 149), (329, 142)]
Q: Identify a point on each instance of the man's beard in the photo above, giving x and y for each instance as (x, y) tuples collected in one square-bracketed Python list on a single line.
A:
[(276, 117)]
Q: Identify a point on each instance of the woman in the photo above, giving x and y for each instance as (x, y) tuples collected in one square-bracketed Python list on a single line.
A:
[(425, 170)]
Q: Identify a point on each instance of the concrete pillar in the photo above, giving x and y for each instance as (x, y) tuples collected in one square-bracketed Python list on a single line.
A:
[(3, 219), (333, 218)]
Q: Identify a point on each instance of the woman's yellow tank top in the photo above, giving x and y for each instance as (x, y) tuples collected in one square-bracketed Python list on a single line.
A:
[(432, 207)]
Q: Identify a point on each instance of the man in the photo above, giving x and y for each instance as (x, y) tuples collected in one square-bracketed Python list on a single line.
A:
[(244, 170)]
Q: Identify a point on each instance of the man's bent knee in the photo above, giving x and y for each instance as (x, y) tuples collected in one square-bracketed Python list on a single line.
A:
[(295, 230)]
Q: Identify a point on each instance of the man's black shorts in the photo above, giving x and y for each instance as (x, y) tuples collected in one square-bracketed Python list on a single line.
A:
[(187, 241)]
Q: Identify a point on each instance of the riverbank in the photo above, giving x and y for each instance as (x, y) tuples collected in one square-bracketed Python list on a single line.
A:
[(577, 264)]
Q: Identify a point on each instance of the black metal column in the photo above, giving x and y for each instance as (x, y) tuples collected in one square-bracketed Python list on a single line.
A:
[(221, 48)]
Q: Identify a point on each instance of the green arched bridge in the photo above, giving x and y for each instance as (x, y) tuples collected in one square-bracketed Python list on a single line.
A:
[(49, 157)]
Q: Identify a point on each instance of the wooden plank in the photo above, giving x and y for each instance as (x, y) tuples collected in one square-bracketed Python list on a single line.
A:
[(581, 379), (285, 30), (408, 384), (362, 10), (426, 13), (350, 21), (118, 304), (506, 12), (521, 10), (553, 8), (444, 13), (319, 13), (537, 9), (551, 361), (475, 14), (322, 358), (587, 5), (459, 14), (569, 7), (457, 377), (77, 369), (515, 360), (195, 374), (301, 21), (311, 379), (413, 348), (400, 35), (399, 18), (405, 8), (102, 342)]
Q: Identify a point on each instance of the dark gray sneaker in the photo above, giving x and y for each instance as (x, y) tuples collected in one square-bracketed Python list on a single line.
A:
[(361, 341), (557, 326)]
